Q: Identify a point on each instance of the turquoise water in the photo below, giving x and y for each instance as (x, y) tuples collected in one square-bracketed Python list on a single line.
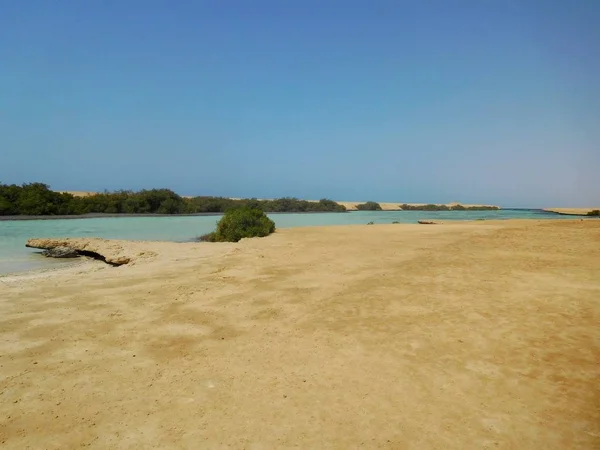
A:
[(14, 257)]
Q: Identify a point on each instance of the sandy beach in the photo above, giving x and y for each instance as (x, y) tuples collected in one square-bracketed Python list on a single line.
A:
[(453, 336)]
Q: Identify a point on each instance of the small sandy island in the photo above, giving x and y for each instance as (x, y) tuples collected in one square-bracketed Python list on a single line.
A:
[(572, 211), (386, 206), (453, 336)]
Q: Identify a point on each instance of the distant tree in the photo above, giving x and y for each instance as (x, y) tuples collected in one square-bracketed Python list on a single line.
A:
[(210, 204), (433, 207), (170, 206), (7, 208), (329, 205), (10, 192), (253, 203), (286, 204), (369, 206), (135, 205), (38, 199)]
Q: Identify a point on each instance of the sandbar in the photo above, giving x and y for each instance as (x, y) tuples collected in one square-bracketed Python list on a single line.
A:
[(572, 211)]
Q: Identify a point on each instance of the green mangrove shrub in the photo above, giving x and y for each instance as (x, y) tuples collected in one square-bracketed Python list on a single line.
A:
[(241, 223), (39, 199), (369, 206)]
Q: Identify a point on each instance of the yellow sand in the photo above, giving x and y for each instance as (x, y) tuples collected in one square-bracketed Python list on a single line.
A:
[(454, 336), (79, 193), (572, 211)]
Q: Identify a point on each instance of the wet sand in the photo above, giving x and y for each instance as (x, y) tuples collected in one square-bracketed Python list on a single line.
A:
[(453, 336)]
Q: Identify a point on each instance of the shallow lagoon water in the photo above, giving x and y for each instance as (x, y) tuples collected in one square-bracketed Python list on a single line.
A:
[(15, 257)]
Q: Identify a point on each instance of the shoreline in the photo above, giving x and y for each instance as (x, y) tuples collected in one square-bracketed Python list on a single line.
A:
[(210, 214), (99, 216), (81, 262), (440, 221), (86, 260), (324, 328), (125, 215)]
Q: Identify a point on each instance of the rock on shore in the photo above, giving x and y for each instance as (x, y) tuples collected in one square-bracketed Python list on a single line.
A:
[(61, 252), (110, 251)]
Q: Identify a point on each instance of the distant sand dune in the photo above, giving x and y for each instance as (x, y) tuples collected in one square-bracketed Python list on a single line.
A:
[(79, 193)]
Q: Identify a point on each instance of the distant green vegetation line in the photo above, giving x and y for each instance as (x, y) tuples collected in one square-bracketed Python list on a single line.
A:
[(432, 207), (374, 206), (37, 199), (369, 206)]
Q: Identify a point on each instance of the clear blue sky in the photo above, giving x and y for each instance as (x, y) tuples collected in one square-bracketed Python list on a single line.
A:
[(475, 101)]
